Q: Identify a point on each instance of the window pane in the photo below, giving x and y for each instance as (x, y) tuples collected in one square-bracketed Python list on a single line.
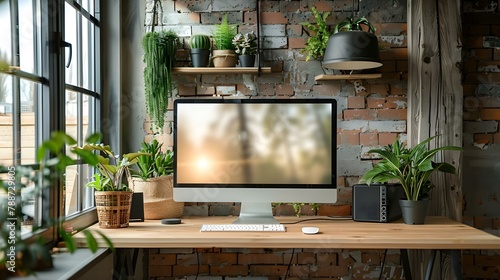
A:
[(6, 121), (27, 41), (5, 28), (77, 196), (30, 122), (71, 31)]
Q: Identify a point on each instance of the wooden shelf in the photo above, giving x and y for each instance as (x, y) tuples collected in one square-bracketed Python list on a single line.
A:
[(220, 70), (329, 77)]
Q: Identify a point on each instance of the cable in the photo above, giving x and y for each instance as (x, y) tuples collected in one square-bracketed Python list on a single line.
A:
[(330, 218), (383, 264), (289, 264)]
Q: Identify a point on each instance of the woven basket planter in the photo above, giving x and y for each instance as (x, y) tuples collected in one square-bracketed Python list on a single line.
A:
[(224, 58), (113, 208), (158, 197)]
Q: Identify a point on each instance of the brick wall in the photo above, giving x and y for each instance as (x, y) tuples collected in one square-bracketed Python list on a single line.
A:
[(481, 84), (371, 113)]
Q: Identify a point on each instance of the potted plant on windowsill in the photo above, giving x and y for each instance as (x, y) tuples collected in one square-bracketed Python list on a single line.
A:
[(412, 168), (113, 197), (154, 179), (224, 55), (246, 47), (24, 256), (199, 51)]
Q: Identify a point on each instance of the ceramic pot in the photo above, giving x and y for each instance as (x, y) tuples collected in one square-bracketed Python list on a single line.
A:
[(200, 57), (246, 60), (414, 212)]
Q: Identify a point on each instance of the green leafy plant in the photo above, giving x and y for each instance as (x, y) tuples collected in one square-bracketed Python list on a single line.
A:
[(245, 44), (159, 54), (411, 167), (111, 167), (350, 24), (223, 35), (200, 41), (154, 163), (318, 35), (22, 256)]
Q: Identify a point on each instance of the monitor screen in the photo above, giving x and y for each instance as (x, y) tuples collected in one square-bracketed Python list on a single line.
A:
[(255, 150)]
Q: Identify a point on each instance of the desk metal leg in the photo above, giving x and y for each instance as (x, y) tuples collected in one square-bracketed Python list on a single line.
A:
[(457, 266), (430, 265), (406, 263)]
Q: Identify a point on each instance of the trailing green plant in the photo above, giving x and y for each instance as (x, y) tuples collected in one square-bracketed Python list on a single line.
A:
[(154, 163), (200, 41), (350, 24), (318, 35), (21, 256), (411, 167), (159, 54), (245, 44), (223, 35), (111, 167)]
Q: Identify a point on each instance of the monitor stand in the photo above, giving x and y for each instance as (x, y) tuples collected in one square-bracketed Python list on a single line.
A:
[(256, 213)]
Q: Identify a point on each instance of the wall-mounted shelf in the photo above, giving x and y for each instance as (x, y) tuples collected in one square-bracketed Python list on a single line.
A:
[(329, 77), (220, 70)]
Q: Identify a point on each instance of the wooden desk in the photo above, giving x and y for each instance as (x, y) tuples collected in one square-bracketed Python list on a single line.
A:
[(438, 233)]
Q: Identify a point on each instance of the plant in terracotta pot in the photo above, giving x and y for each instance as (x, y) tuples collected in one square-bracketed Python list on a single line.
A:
[(412, 168), (200, 47), (113, 197), (246, 47), (154, 179), (224, 55)]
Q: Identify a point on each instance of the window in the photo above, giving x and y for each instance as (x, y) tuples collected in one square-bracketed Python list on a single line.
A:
[(52, 37)]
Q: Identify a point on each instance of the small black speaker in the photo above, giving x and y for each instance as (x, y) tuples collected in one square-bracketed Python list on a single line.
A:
[(377, 202), (137, 207)]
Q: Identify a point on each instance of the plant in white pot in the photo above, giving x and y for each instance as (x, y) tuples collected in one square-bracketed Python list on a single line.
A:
[(246, 47), (113, 197), (155, 180), (412, 168)]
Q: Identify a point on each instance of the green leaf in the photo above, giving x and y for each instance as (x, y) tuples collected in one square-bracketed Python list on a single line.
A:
[(94, 138), (68, 240), (91, 241)]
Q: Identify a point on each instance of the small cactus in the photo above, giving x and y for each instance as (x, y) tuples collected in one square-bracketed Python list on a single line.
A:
[(200, 41)]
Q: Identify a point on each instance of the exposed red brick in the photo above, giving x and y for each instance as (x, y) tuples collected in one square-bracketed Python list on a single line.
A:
[(386, 138), (294, 30), (388, 66), (481, 138), (360, 114), (183, 270), (160, 271), (335, 210), (219, 258), (268, 270), (392, 114), (250, 17), (394, 54), (162, 259), (273, 18), (382, 89), (266, 89), (490, 114), (323, 6), (375, 102), (326, 258), (284, 89), (330, 271), (260, 259), (296, 43), (481, 54), (229, 270), (306, 258), (474, 42), (370, 258), (355, 102), (483, 222), (349, 138), (368, 139), (483, 260)]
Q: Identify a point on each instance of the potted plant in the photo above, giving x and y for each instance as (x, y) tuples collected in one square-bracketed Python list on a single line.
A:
[(318, 35), (25, 256), (159, 54), (200, 47), (246, 47), (154, 179), (412, 168), (113, 198), (224, 55)]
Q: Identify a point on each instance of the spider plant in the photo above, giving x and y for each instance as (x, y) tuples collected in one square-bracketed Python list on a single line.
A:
[(350, 24)]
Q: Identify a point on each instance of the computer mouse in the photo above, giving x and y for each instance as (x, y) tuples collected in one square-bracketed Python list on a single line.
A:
[(310, 230)]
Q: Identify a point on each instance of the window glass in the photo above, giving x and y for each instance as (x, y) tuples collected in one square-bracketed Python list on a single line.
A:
[(27, 43), (71, 33)]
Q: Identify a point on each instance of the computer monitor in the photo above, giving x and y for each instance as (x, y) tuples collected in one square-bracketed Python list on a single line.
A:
[(255, 151)]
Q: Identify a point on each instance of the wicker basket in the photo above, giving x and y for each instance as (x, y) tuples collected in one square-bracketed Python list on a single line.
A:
[(158, 197), (113, 208)]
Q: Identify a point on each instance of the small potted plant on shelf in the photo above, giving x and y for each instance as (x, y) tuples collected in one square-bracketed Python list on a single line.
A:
[(224, 55), (113, 198), (24, 256), (246, 47), (154, 179), (200, 47), (412, 168)]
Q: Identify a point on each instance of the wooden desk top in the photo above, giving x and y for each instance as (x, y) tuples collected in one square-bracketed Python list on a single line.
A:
[(437, 233)]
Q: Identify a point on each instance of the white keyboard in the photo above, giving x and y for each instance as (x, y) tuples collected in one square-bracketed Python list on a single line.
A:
[(243, 227)]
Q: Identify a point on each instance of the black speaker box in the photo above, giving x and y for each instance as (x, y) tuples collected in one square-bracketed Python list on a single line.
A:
[(377, 202), (137, 207)]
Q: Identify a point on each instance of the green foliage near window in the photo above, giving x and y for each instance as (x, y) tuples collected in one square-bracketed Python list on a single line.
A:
[(111, 167), (318, 35), (159, 54), (22, 257), (223, 35), (411, 167), (351, 24), (154, 163)]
